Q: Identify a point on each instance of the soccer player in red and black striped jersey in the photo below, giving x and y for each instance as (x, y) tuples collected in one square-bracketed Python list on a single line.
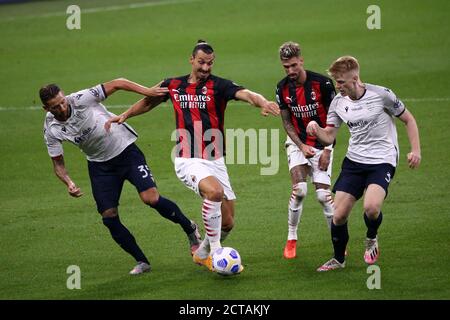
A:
[(303, 96), (199, 100)]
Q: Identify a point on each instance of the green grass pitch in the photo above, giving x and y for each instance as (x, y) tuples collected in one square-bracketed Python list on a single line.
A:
[(43, 230)]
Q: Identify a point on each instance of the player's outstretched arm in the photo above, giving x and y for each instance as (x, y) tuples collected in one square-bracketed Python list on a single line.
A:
[(142, 106), (412, 130), (326, 136), (258, 100), (61, 173), (127, 85)]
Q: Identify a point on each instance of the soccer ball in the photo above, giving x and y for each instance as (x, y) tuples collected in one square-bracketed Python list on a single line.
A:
[(226, 261)]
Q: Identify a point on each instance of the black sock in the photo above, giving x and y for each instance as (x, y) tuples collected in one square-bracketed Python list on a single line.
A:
[(124, 238), (169, 210), (372, 225), (339, 236)]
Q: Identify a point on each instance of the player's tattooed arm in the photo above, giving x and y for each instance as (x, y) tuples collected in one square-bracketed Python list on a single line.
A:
[(290, 130), (63, 175)]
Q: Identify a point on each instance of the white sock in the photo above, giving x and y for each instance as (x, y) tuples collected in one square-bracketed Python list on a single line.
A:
[(212, 220), (325, 199), (295, 209), (204, 248)]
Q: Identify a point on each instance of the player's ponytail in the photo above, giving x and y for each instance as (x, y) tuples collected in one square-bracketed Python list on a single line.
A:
[(204, 46)]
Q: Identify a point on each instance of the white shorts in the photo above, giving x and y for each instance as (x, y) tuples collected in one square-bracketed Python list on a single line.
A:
[(192, 170), (296, 157)]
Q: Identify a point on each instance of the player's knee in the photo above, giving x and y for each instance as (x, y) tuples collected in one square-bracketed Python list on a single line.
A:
[(339, 220), (110, 213), (214, 194), (324, 196), (150, 197), (372, 210), (299, 190)]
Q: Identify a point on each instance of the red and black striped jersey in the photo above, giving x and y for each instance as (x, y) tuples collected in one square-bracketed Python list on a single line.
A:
[(307, 102), (199, 115)]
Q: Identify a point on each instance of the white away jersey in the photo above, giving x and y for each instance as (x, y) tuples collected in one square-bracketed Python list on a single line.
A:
[(85, 128), (370, 119)]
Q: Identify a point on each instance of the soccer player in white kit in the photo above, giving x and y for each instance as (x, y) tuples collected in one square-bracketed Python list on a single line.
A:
[(112, 158), (372, 156)]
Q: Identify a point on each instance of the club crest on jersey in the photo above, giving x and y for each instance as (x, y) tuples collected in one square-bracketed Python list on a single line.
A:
[(313, 95), (193, 178), (94, 92), (346, 109), (204, 90)]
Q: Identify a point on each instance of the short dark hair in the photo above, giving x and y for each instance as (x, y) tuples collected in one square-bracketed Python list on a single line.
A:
[(204, 46), (48, 92)]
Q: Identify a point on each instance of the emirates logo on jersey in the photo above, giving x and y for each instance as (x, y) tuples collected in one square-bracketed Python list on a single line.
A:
[(190, 101)]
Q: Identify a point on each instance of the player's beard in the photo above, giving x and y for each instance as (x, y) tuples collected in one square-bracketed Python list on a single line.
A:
[(201, 75), (294, 77)]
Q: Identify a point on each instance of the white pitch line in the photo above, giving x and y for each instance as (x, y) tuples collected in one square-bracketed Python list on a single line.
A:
[(103, 9), (425, 99), (122, 106)]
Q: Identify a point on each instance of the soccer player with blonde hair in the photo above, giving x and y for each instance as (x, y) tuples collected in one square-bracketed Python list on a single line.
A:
[(372, 156)]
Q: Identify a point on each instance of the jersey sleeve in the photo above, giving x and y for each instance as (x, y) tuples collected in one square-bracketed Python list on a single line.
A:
[(228, 89), (392, 104), (54, 145), (328, 92), (165, 84), (92, 95), (333, 119), (279, 97)]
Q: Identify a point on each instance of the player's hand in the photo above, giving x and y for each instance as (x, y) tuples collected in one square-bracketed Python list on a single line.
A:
[(312, 128), (157, 91), (74, 191), (308, 151), (117, 119), (324, 160), (270, 108), (413, 159)]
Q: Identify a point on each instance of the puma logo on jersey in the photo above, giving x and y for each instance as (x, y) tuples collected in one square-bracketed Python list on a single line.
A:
[(175, 90), (289, 99)]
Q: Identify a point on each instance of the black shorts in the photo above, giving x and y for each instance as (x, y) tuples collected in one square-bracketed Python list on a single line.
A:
[(355, 177), (107, 177)]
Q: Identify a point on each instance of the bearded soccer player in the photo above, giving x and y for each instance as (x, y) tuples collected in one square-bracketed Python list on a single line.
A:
[(304, 96), (199, 100), (112, 158), (372, 155)]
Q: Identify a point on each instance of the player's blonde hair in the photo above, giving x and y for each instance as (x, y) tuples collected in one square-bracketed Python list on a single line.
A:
[(288, 50), (343, 65)]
